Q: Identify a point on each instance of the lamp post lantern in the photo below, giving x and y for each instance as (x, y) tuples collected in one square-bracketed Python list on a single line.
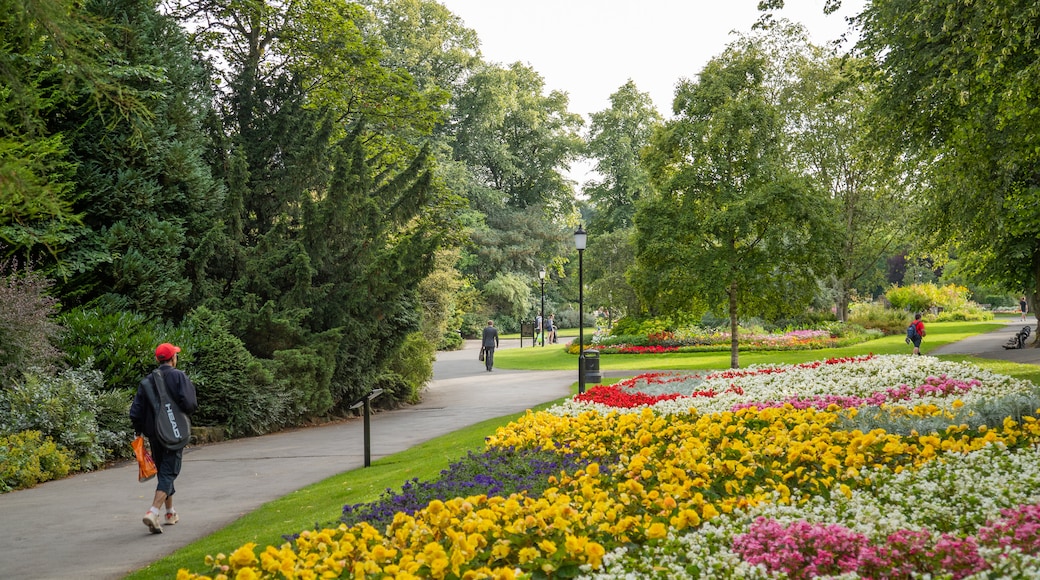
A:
[(541, 313), (579, 243)]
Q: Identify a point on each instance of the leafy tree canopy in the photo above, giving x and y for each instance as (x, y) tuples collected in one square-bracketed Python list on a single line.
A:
[(617, 135), (517, 140), (960, 82), (733, 226), (54, 57)]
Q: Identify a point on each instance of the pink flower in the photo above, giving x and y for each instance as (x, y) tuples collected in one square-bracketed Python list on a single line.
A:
[(804, 550)]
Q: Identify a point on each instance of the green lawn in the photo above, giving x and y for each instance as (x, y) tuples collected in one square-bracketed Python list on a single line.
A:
[(553, 357), (322, 502)]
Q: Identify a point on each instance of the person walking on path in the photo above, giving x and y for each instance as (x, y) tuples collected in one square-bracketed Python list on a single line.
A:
[(489, 342), (1023, 306), (142, 415), (915, 332)]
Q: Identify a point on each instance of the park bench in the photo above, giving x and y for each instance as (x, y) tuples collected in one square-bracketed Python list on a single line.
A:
[(1019, 340)]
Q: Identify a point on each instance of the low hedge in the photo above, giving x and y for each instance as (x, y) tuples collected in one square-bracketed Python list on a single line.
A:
[(29, 458)]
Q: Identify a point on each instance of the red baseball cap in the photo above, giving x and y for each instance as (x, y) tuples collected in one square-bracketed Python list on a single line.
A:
[(165, 351)]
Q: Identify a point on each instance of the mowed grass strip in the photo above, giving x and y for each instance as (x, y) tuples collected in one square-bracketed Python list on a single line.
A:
[(555, 357)]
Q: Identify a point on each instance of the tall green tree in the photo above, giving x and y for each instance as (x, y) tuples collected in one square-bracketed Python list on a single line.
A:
[(834, 140), (54, 59), (959, 83), (607, 264), (333, 215), (143, 187), (371, 241), (733, 225), (517, 141), (434, 46), (616, 137), (512, 240), (515, 144), (427, 40)]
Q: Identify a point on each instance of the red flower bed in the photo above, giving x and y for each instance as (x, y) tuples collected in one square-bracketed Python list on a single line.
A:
[(629, 349), (626, 394)]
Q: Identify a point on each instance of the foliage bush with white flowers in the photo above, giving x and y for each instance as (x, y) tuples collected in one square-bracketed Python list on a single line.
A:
[(866, 467)]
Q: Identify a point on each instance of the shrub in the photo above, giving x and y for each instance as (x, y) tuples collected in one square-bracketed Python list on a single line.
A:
[(396, 390), (951, 300), (472, 325), (657, 325), (113, 421), (27, 329), (876, 316), (62, 407), (236, 390), (304, 377), (568, 318), (970, 312), (509, 294), (504, 325), (808, 319), (121, 344), (413, 362), (698, 339), (28, 458), (624, 326), (913, 298), (452, 340), (632, 339)]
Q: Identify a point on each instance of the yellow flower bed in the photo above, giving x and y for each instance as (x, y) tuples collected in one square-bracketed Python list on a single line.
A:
[(671, 472)]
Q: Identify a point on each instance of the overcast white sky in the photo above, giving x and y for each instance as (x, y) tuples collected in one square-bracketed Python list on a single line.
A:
[(589, 48)]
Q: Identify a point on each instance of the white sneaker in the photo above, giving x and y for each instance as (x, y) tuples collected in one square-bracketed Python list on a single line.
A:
[(171, 518), (151, 519)]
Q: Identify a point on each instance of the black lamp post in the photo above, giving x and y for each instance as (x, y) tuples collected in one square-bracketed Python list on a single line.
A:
[(541, 277), (579, 242)]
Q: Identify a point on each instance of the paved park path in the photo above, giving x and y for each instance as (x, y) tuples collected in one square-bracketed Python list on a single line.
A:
[(89, 526)]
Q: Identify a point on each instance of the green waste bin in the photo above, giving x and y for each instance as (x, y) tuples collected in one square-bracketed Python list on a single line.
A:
[(592, 373)]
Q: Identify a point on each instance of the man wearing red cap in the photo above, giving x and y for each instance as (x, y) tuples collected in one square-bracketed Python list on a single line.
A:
[(167, 461)]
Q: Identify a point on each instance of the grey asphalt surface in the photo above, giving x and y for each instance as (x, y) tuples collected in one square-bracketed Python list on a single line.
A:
[(991, 344), (89, 525)]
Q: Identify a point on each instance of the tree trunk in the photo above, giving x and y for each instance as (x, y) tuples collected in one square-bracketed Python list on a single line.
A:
[(842, 306), (734, 340), (1034, 303)]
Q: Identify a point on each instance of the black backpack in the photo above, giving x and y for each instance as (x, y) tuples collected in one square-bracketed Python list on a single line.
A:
[(172, 425)]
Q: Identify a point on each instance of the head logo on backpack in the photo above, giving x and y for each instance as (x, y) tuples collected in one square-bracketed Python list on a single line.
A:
[(172, 426)]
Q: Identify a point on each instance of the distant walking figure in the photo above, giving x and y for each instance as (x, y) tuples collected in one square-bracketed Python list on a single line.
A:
[(1023, 306), (489, 342), (915, 332)]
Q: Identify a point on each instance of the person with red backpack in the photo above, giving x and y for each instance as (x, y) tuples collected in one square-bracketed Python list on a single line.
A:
[(915, 332)]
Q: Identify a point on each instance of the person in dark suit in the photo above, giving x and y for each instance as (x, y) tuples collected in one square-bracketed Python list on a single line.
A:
[(489, 342)]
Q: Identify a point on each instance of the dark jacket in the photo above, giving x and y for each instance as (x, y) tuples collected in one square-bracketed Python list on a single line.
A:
[(183, 392), (490, 337)]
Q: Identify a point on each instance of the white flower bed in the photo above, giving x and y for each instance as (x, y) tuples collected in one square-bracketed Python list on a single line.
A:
[(962, 493), (860, 378)]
